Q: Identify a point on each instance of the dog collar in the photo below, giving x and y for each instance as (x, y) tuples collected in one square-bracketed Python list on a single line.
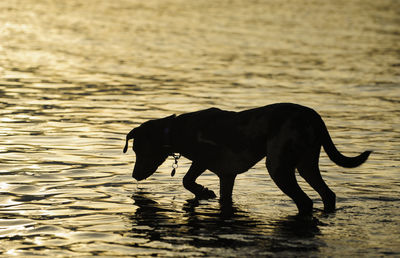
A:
[(168, 145)]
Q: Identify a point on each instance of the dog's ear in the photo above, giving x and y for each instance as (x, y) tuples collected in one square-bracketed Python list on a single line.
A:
[(129, 136)]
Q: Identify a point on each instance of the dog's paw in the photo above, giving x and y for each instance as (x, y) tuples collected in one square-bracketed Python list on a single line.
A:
[(206, 194)]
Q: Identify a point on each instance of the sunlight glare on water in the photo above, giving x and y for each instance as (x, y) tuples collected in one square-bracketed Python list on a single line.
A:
[(76, 76)]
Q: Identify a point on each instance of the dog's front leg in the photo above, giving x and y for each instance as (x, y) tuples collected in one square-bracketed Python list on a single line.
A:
[(189, 182), (226, 187)]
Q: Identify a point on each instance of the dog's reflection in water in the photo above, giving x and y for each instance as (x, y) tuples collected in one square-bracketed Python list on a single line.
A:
[(199, 225)]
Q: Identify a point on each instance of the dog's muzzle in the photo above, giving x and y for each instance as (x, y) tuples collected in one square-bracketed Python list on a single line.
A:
[(137, 177), (140, 175)]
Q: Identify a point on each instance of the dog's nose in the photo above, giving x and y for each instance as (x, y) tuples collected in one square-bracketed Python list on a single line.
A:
[(135, 176)]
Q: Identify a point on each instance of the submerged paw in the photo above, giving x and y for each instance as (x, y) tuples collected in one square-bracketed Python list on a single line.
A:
[(206, 194)]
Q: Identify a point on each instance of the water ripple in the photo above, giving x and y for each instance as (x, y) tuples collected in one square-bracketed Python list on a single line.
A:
[(76, 78)]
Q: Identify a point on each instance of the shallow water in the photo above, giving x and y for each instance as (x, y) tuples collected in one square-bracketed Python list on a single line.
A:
[(76, 76)]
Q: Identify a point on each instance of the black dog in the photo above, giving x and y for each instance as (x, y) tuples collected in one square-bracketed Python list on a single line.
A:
[(229, 143)]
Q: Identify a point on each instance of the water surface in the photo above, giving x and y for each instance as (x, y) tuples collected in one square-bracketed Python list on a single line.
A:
[(76, 76)]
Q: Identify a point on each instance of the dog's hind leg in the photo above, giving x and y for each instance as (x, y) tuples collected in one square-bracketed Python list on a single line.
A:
[(189, 182), (284, 177), (309, 170)]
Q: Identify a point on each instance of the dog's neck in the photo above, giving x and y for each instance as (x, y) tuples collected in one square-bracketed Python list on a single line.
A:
[(167, 139)]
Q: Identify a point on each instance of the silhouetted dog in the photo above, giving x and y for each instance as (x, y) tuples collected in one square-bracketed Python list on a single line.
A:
[(229, 143)]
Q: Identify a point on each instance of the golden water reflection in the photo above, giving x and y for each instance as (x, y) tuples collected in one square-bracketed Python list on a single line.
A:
[(76, 76)]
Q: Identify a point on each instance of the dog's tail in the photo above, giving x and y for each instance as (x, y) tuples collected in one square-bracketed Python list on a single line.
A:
[(336, 156), (129, 136)]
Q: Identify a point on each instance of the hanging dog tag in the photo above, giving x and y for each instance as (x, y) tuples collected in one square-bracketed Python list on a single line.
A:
[(175, 165), (173, 172)]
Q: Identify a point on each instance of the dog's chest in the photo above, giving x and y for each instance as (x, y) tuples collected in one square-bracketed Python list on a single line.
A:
[(227, 161)]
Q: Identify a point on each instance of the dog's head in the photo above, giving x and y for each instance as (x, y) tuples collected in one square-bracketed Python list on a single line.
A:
[(149, 146)]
